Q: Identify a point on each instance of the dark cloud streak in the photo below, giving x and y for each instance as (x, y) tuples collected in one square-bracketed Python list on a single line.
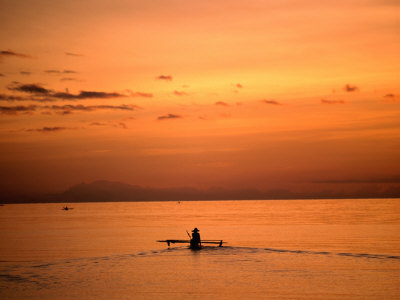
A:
[(221, 103), (9, 53), (30, 88), (324, 101), (164, 77), (60, 72), (97, 95), (90, 107), (180, 93), (272, 102), (86, 95), (68, 79), (116, 125), (73, 54), (140, 94), (13, 110), (4, 97), (350, 88), (40, 90), (63, 109), (391, 97), (48, 129), (169, 116)]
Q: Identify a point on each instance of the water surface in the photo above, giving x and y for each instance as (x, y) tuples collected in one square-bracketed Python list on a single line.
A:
[(283, 249)]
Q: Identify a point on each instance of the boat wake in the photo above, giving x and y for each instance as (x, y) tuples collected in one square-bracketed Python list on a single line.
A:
[(242, 250), (309, 252), (45, 274)]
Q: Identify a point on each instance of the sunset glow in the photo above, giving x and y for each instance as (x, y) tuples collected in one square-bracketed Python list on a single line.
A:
[(274, 95)]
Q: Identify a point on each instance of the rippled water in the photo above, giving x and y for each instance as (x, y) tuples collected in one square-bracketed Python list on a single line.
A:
[(294, 249)]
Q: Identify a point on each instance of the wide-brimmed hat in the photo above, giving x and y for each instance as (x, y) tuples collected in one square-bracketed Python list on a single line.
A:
[(195, 230)]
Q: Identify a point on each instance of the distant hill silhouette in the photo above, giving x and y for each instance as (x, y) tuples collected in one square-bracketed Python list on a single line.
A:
[(108, 191)]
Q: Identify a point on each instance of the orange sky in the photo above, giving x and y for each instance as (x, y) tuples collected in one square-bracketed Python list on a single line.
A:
[(264, 94)]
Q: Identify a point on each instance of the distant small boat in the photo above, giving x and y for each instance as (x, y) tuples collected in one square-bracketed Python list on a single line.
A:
[(67, 208)]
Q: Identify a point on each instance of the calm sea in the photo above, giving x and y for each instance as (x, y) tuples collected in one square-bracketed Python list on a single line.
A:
[(283, 249)]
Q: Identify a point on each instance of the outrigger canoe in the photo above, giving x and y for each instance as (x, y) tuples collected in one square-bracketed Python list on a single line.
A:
[(215, 242)]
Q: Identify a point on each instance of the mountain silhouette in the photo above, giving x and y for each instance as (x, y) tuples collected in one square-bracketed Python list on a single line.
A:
[(111, 191)]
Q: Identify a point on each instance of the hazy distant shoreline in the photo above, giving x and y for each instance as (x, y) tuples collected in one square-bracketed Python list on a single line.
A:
[(203, 200), (106, 191)]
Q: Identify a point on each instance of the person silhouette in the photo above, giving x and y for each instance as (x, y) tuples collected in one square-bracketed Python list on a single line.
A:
[(195, 242)]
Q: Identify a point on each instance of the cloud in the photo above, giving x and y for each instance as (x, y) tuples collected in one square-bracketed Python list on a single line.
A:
[(73, 54), (391, 97), (29, 88), (9, 53), (164, 77), (273, 102), (324, 101), (122, 125), (52, 71), (36, 98), (180, 93), (85, 95), (64, 112), (40, 98), (169, 116), (239, 86), (60, 72), (25, 73), (139, 94), (63, 109), (350, 88), (93, 94), (4, 97), (39, 93), (13, 110), (117, 125), (80, 107), (221, 103), (68, 79), (48, 129)]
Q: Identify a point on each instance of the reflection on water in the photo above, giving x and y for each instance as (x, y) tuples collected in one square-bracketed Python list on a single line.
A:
[(245, 266), (345, 249)]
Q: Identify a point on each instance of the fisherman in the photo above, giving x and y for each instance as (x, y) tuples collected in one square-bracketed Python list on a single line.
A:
[(195, 242)]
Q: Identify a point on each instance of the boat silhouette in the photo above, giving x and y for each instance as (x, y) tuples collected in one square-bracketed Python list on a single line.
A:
[(194, 242)]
